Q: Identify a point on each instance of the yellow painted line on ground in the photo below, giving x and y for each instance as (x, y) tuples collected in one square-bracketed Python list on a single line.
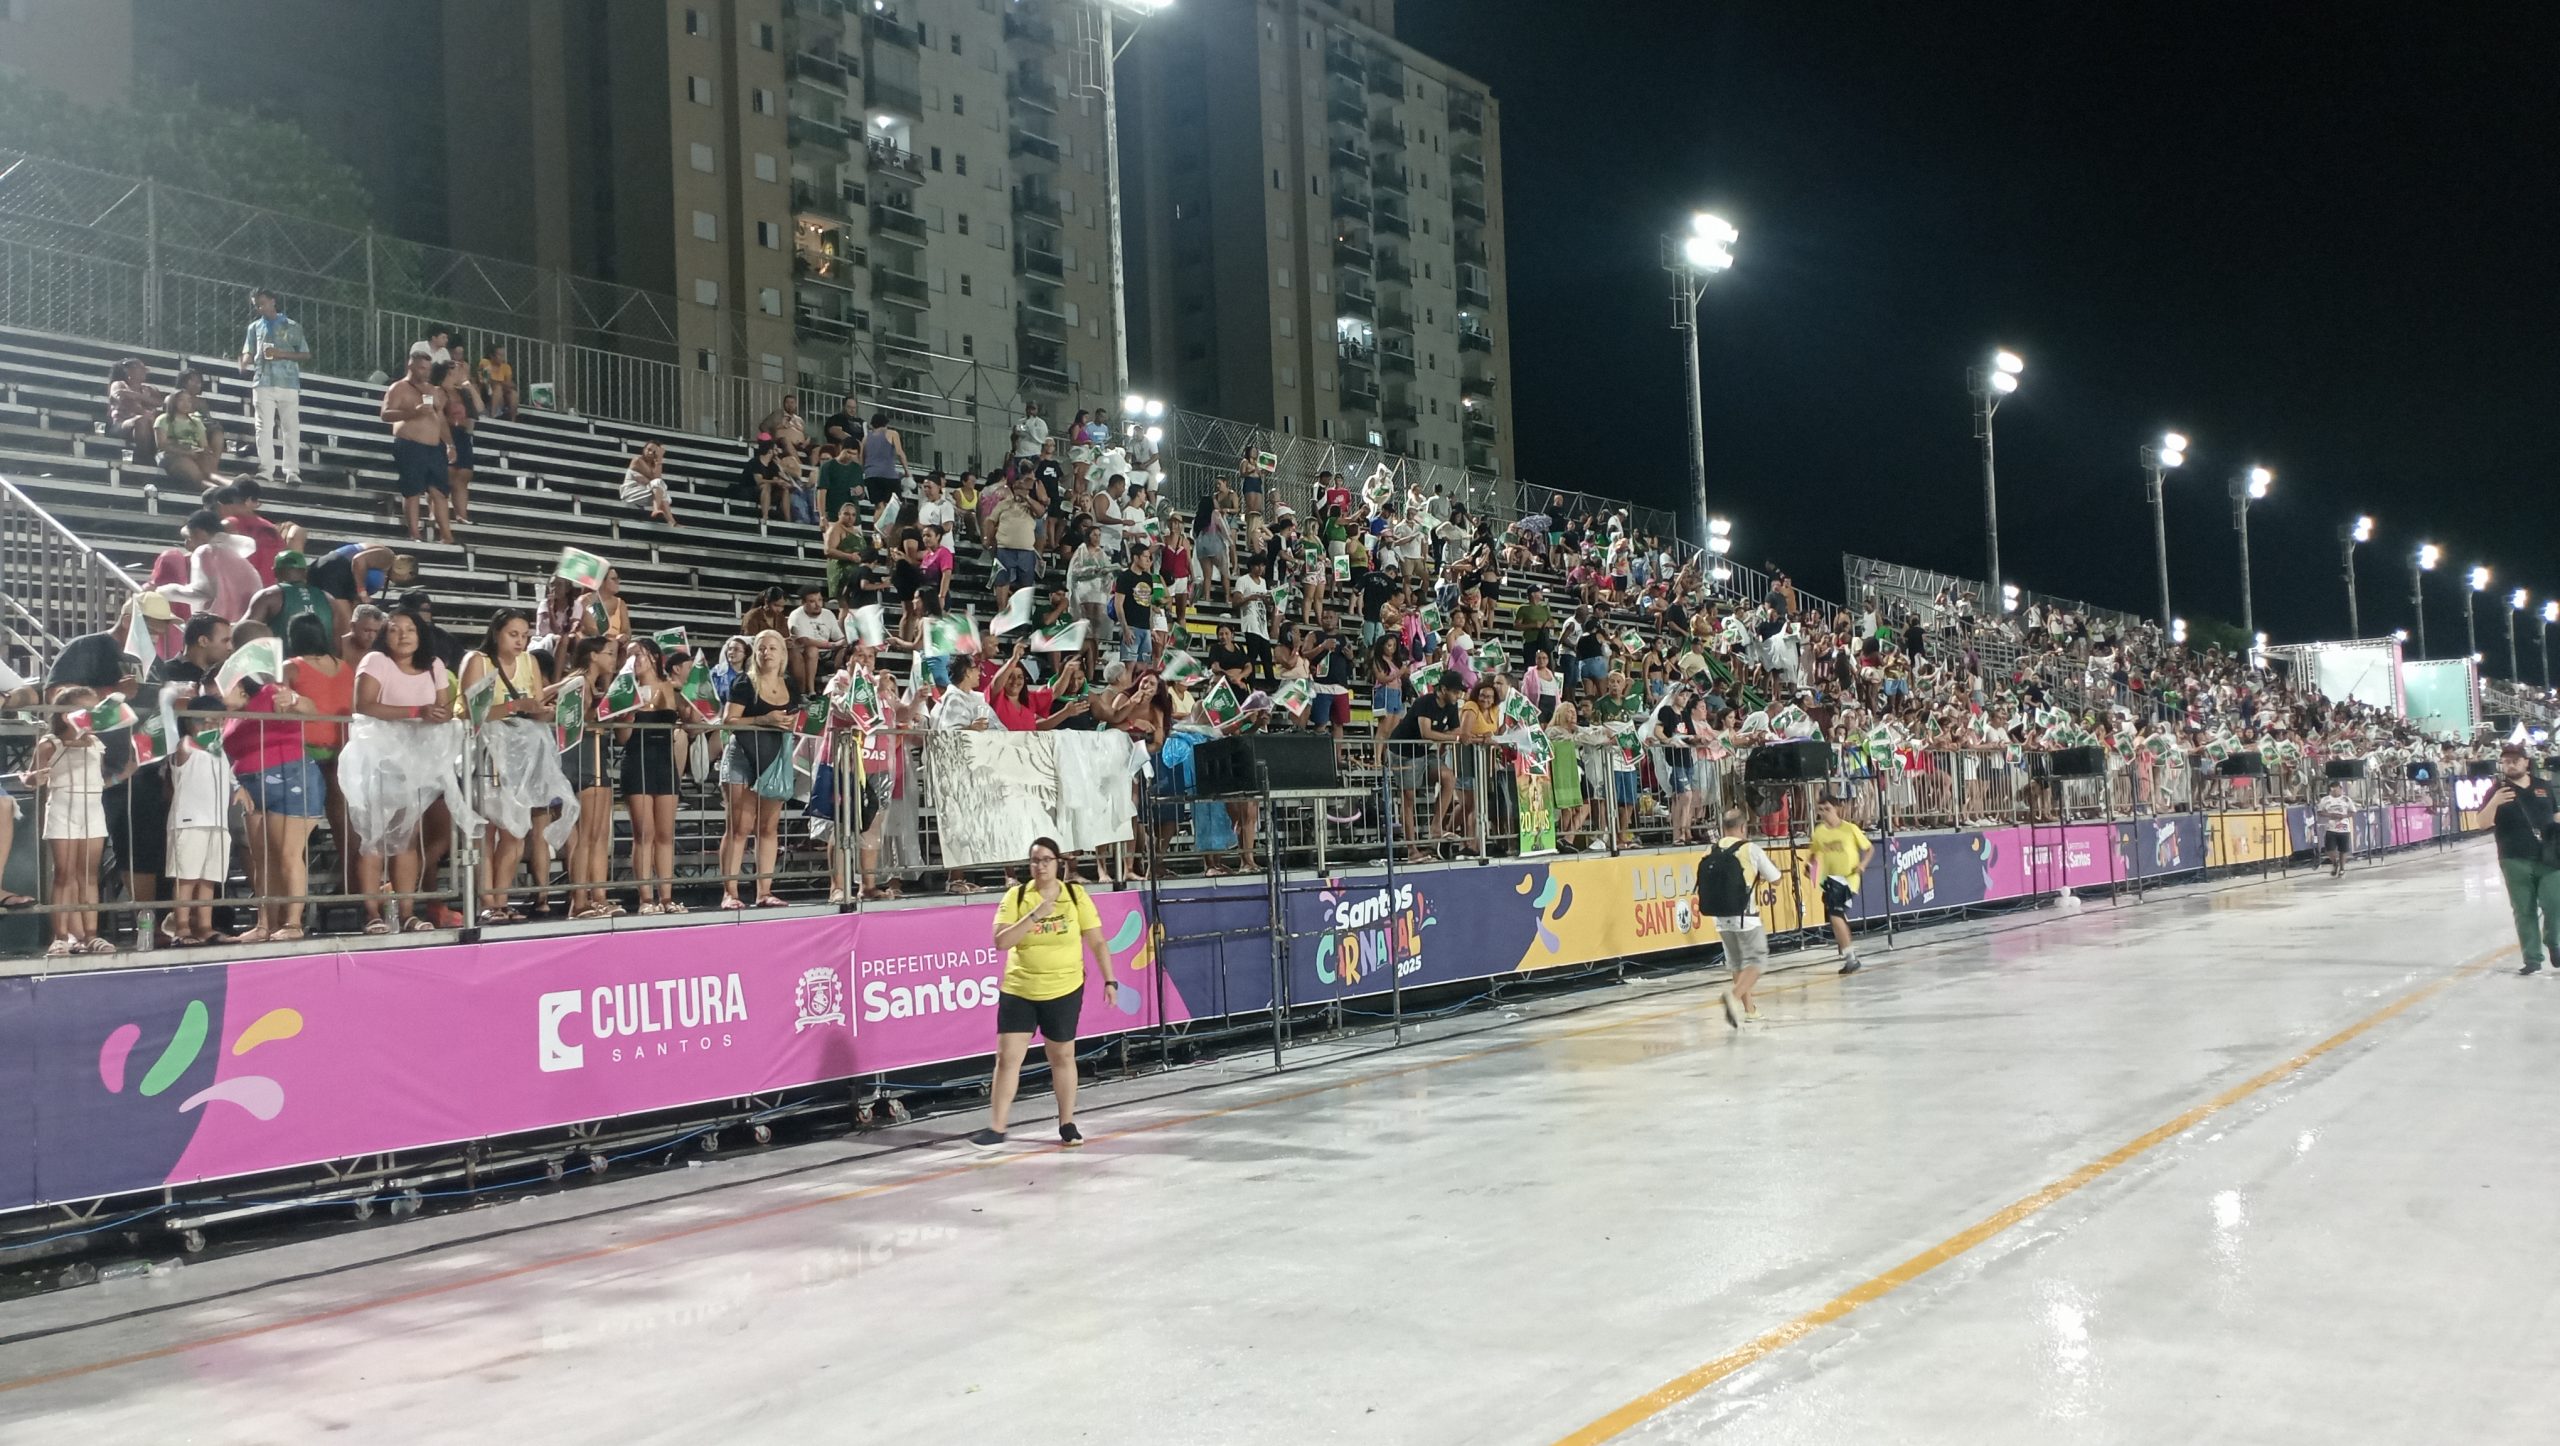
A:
[(1690, 1383)]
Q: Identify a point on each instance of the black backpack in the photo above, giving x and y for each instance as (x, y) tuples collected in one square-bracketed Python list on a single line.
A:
[(1723, 892)]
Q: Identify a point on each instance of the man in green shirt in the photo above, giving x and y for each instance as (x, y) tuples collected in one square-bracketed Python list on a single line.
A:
[(1535, 620), (292, 594), (839, 481)]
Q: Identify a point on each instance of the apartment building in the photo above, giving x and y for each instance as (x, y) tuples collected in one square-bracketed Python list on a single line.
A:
[(1315, 229)]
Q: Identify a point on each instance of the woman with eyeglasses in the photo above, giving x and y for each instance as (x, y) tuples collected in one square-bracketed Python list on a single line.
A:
[(1046, 926)]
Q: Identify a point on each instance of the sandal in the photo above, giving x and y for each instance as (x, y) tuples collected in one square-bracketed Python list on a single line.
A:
[(960, 886), (771, 902), (15, 901), (377, 926), (61, 948), (419, 925), (490, 917), (672, 907), (650, 910), (600, 911), (256, 934), (286, 935), (102, 945), (515, 915), (731, 902)]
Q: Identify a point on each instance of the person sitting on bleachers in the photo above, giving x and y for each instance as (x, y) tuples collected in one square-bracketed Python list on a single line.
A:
[(784, 423), (498, 379), (188, 452), (133, 409), (644, 484)]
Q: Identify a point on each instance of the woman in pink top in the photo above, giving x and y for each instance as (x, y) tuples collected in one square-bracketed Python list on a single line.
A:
[(220, 579), (402, 755)]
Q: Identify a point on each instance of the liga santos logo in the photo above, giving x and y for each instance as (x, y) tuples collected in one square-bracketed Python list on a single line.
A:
[(664, 1018)]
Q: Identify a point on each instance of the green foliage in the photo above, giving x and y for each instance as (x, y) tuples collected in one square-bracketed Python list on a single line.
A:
[(2215, 633), (182, 139)]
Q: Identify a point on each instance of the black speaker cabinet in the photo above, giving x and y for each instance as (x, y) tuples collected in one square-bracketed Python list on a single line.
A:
[(1807, 760), (1225, 767), (2422, 771), (2089, 762), (2345, 768), (2244, 765), (2480, 768)]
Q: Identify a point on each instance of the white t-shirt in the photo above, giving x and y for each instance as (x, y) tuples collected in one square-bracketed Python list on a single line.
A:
[(1756, 869), (201, 788), (1253, 612), (638, 490), (437, 354), (1029, 436), (935, 512), (960, 708), (821, 626)]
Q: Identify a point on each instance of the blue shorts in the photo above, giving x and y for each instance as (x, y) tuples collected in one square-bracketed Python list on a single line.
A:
[(289, 790), (1594, 670), (1684, 777), (1017, 567), (1330, 708), (422, 466), (1623, 785)]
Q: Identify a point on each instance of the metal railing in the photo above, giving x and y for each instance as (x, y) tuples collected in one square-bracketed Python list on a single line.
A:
[(53, 586)]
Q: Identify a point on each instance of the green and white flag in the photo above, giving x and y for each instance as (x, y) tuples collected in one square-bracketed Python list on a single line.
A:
[(1434, 618), (1342, 568), (569, 712), (1493, 659), (1518, 711), (1295, 694), (1064, 637), (261, 659), (583, 568), (947, 635), (668, 639), (870, 624), (1380, 489), (1265, 460), (1017, 612), (1426, 678), (1218, 706), (481, 697), (1181, 667), (621, 693), (137, 643), (813, 718)]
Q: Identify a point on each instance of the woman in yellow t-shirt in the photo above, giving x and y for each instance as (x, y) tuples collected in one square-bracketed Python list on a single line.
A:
[(1045, 927)]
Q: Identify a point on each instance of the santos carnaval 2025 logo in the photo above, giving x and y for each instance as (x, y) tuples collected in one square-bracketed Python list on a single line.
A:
[(1366, 928)]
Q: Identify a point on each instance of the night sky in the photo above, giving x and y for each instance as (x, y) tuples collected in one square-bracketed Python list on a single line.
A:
[(2316, 237)]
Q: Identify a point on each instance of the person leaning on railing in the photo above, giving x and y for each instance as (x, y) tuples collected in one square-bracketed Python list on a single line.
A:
[(589, 669), (68, 768), (755, 769), (522, 778), (398, 764), (648, 737), (283, 785)]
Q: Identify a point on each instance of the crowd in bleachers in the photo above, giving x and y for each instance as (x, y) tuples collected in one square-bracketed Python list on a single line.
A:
[(1458, 664)]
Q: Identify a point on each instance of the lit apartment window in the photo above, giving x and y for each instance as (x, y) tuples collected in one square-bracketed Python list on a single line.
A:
[(705, 291), (706, 227), (769, 235), (769, 301), (702, 158), (697, 89)]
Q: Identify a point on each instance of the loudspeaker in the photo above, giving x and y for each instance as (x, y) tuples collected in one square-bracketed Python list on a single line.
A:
[(1807, 760), (2089, 762), (2480, 768), (2244, 765), (2422, 771), (1225, 767), (2346, 768)]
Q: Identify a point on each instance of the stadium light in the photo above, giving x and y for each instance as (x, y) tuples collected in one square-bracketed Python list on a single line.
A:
[(2008, 597), (2246, 488), (2420, 564), (1693, 258), (2177, 630), (2361, 530), (2478, 577), (1989, 383), (2516, 602), (1719, 536), (2550, 615), (2364, 529), (2157, 458)]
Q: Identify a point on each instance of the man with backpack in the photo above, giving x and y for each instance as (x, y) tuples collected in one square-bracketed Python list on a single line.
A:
[(1728, 878)]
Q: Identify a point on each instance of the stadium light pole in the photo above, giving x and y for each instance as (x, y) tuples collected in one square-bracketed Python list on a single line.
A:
[(2157, 458), (2516, 603), (2550, 615), (2421, 563), (1719, 544), (2478, 577), (1989, 383), (1693, 259), (2361, 530), (2247, 487)]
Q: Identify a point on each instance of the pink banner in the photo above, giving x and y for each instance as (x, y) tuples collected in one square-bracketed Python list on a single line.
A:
[(2023, 860), (2412, 823), (331, 1056)]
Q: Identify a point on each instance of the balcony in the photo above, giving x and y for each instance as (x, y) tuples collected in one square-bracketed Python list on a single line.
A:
[(1476, 388), (1395, 318), (1030, 30), (813, 9), (824, 265), (1396, 359), (1466, 113), (1034, 262), (1479, 427), (810, 131), (889, 159), (1389, 181), (1348, 157), (905, 341), (1347, 110), (1474, 287), (1387, 136), (1350, 207), (888, 95), (1471, 252), (1472, 336), (1359, 354), (1033, 89), (1359, 397), (823, 70), (1480, 458), (1348, 251), (1045, 367), (833, 328), (1036, 203), (888, 26), (1469, 212), (1386, 77), (894, 220), (1401, 409), (810, 199), (1467, 164), (1356, 298), (903, 287), (1392, 220), (1034, 145), (1393, 271), (1343, 60), (1038, 324)]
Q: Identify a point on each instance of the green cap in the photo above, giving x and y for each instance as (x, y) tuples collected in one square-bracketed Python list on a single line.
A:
[(291, 558)]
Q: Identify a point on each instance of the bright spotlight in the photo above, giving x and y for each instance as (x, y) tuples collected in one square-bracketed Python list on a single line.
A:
[(2479, 579), (2428, 556), (1720, 572), (2551, 611), (2401, 634), (2177, 630), (2364, 529), (2518, 599), (1154, 435), (2003, 383), (2008, 361), (1155, 408), (1719, 527), (1706, 254), (2260, 479), (2172, 457), (1709, 227), (1132, 404), (2173, 442)]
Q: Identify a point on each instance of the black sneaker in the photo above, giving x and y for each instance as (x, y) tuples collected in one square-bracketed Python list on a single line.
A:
[(1851, 964), (2533, 967), (1070, 1136), (987, 1139)]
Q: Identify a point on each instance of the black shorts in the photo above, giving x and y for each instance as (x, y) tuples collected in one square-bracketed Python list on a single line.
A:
[(138, 820), (421, 465), (462, 447), (1054, 1018), (879, 490), (2337, 843), (1836, 896)]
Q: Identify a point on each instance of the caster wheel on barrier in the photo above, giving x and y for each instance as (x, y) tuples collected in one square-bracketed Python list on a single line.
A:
[(552, 1170), (598, 1164), (711, 1143), (364, 1210), (192, 1242), (407, 1202), (764, 1134)]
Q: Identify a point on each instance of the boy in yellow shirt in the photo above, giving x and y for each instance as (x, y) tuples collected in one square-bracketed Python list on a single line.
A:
[(1840, 849), (1046, 927)]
